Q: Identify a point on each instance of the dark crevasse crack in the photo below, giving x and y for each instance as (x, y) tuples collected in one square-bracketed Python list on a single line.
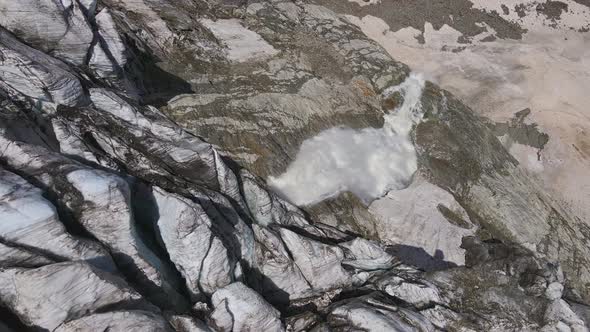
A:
[(14, 322), (33, 250), (146, 215), (55, 194)]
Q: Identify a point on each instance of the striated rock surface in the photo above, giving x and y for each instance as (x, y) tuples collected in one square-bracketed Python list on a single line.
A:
[(135, 140)]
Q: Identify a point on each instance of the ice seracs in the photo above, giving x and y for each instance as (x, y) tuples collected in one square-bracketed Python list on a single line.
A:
[(29, 223), (31, 73), (59, 29), (239, 308), (189, 237), (48, 296)]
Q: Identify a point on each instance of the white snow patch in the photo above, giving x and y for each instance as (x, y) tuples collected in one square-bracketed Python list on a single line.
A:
[(363, 3), (527, 156), (367, 162), (411, 217), (21, 205), (242, 44), (95, 186)]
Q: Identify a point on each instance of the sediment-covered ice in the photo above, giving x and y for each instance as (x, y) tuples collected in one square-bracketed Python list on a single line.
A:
[(367, 162)]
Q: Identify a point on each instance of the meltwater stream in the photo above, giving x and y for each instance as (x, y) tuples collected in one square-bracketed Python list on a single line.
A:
[(367, 162)]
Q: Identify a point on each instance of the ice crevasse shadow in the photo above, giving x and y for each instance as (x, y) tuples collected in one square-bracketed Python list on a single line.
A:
[(367, 162)]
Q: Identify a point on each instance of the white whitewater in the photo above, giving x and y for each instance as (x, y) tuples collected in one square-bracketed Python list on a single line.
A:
[(367, 162)]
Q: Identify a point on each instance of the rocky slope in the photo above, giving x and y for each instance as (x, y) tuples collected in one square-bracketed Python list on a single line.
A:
[(505, 59), (135, 140)]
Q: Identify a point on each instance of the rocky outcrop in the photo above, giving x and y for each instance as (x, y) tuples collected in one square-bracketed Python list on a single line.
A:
[(460, 155), (114, 217)]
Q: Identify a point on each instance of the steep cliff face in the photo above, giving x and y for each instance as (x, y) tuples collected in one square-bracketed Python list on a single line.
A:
[(136, 140)]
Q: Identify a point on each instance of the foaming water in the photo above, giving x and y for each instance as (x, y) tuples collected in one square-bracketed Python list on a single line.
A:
[(367, 162)]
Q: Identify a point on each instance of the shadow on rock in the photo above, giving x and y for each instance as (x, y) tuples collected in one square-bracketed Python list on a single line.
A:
[(419, 258)]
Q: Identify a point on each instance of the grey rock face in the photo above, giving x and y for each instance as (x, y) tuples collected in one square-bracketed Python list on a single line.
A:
[(114, 217), (460, 155)]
